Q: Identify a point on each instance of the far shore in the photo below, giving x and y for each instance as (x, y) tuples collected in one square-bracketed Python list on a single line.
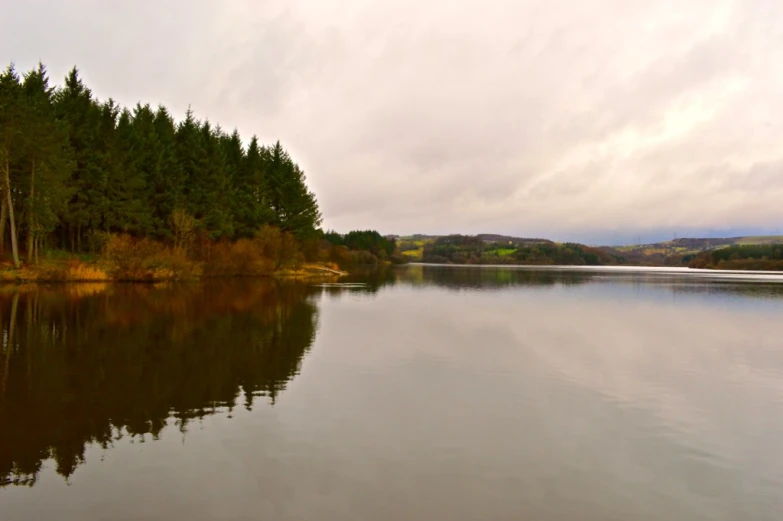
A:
[(610, 268)]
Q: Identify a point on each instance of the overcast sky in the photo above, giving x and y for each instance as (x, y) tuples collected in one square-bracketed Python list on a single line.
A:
[(590, 120)]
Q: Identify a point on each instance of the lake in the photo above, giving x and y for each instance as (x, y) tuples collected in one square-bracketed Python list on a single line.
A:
[(416, 393)]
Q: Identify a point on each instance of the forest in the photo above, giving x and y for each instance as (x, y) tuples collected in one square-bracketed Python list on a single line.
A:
[(166, 198)]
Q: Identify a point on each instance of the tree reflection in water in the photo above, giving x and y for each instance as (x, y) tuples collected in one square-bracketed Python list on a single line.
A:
[(90, 364)]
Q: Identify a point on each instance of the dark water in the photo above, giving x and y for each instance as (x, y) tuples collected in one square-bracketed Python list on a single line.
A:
[(430, 393)]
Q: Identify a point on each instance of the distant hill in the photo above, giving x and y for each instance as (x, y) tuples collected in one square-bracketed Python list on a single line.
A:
[(679, 252), (489, 248), (706, 244), (466, 249)]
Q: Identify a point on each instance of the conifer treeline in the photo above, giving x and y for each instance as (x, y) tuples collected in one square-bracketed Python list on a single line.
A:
[(73, 168)]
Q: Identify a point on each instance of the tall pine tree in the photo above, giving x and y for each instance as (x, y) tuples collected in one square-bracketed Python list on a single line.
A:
[(294, 205), (11, 117), (47, 162)]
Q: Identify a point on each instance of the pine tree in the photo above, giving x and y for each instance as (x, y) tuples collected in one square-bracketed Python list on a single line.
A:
[(125, 189), (244, 208), (10, 133), (47, 160), (216, 195), (191, 158), (294, 206), (254, 183), (144, 154), (76, 107), (165, 177)]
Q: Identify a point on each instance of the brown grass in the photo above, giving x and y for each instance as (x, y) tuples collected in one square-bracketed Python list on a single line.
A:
[(130, 259), (271, 252)]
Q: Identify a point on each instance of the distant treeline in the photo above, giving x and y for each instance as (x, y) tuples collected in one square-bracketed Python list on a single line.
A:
[(77, 172), (767, 257), (462, 249), (368, 241)]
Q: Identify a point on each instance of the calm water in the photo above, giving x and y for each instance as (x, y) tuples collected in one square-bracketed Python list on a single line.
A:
[(430, 393)]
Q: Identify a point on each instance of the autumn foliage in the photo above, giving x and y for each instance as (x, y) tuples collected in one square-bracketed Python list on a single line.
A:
[(139, 259)]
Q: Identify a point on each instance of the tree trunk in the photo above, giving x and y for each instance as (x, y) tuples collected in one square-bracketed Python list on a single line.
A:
[(31, 217), (10, 204), (3, 219), (11, 341), (14, 247)]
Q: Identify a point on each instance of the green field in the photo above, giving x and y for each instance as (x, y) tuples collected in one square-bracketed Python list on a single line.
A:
[(413, 249), (501, 252)]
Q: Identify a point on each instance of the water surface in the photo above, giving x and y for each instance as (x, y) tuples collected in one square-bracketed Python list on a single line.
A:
[(451, 393)]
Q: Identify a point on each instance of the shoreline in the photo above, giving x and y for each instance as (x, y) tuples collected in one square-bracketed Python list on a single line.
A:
[(97, 272), (607, 267)]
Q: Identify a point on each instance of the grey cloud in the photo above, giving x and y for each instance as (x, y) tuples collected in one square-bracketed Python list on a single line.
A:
[(557, 118)]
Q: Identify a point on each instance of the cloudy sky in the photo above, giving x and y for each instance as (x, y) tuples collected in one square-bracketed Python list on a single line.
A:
[(595, 120)]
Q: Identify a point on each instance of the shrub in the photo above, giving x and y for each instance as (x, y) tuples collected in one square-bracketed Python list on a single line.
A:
[(145, 259), (78, 271), (278, 246), (270, 250), (183, 226), (243, 257), (72, 270)]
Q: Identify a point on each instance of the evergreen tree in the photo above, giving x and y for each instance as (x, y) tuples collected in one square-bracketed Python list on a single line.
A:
[(166, 177), (47, 160), (191, 158), (81, 114), (294, 206), (126, 209), (10, 134), (254, 182), (242, 167), (213, 186)]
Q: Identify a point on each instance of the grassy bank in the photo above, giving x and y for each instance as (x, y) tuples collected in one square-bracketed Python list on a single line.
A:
[(76, 270)]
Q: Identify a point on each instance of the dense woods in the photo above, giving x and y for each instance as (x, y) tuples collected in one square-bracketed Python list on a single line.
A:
[(76, 171)]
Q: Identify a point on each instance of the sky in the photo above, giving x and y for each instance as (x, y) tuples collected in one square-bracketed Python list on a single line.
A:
[(608, 121)]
